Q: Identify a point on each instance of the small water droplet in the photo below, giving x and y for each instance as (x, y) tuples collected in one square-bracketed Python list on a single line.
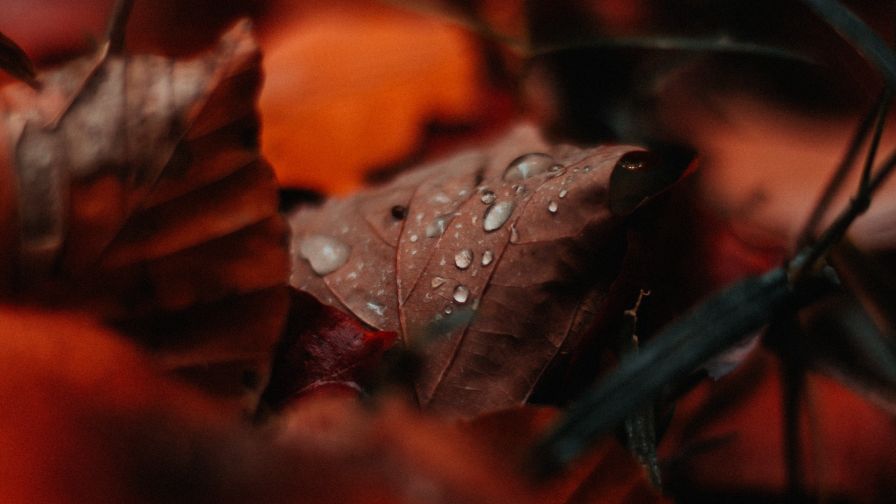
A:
[(497, 215), (461, 294), (376, 308), (448, 310), (325, 254), (463, 259), (514, 234), (463, 193), (487, 257), (487, 197), (437, 227), (437, 282), (528, 165), (556, 170), (563, 193), (586, 169), (553, 206), (414, 238), (440, 198)]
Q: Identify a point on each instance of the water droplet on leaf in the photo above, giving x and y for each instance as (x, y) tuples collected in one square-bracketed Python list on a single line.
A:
[(437, 282), (463, 259), (497, 215), (325, 254), (461, 294), (487, 197), (437, 227), (528, 165), (563, 193), (553, 206), (487, 257), (376, 308)]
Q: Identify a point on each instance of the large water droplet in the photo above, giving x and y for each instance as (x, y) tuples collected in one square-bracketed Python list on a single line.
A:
[(461, 294), (487, 257), (463, 259), (487, 197), (528, 165), (437, 282), (325, 254), (553, 206), (497, 215)]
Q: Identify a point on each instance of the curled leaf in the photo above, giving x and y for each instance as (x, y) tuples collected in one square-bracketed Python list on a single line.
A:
[(140, 195), (494, 266), (639, 176)]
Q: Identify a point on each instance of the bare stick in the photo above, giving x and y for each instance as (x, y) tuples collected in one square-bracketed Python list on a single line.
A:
[(115, 30), (807, 235)]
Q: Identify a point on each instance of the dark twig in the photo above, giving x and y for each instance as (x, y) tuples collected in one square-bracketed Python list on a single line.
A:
[(640, 426), (843, 169), (714, 325), (118, 20), (859, 34)]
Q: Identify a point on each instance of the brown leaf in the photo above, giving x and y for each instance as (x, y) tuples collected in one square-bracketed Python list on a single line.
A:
[(141, 195), (495, 275)]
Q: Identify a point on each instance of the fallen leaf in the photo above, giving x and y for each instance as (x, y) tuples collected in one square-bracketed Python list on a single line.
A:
[(607, 474), (351, 85), (726, 440), (492, 263), (322, 347), (141, 196)]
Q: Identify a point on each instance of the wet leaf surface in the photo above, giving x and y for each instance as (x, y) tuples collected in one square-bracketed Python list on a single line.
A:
[(495, 266)]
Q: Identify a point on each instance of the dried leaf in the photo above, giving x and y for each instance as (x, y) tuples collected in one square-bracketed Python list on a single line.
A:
[(141, 196), (322, 347), (493, 263)]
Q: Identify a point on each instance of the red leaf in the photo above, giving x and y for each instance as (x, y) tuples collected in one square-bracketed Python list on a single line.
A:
[(726, 440), (607, 474), (323, 347)]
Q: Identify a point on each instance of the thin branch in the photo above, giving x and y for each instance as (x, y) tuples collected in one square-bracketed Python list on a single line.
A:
[(859, 34), (875, 140), (118, 20), (836, 181)]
